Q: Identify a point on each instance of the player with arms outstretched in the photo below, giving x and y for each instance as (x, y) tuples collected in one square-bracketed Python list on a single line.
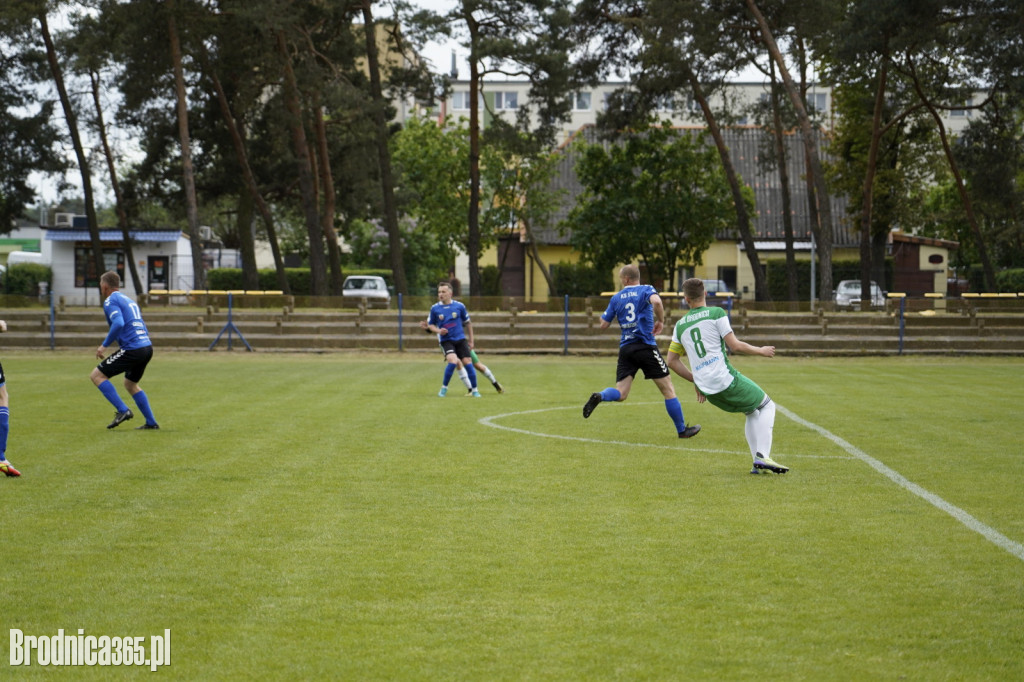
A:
[(704, 334), (641, 317)]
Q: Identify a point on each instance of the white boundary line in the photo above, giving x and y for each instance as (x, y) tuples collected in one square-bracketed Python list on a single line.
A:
[(991, 534)]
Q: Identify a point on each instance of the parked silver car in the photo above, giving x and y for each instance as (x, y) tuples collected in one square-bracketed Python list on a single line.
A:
[(847, 295), (374, 289)]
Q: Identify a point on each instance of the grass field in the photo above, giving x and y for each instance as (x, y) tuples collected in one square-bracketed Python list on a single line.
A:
[(329, 517)]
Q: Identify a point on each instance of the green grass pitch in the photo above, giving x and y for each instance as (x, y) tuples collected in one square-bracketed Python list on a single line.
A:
[(329, 517)]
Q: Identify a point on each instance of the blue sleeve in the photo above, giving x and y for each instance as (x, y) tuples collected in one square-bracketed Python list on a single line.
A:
[(116, 325)]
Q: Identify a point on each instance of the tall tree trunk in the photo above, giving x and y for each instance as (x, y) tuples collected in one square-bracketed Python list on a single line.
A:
[(248, 245), (122, 216), (869, 185), (76, 141), (246, 241), (535, 254), (473, 239), (327, 213), (387, 181), (742, 215), (816, 172), (965, 198), (300, 145), (188, 172), (792, 286)]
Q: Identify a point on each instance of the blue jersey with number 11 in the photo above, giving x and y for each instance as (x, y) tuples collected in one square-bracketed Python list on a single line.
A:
[(125, 320), (632, 308)]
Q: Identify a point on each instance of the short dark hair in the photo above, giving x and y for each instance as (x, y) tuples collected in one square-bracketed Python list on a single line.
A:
[(693, 288)]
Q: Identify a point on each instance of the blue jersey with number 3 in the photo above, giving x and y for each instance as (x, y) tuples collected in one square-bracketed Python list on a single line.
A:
[(632, 308), (125, 320)]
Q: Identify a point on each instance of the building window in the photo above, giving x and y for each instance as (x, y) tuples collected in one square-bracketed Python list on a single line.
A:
[(961, 112), (85, 273), (581, 101), (817, 102), (506, 100), (460, 100), (665, 103)]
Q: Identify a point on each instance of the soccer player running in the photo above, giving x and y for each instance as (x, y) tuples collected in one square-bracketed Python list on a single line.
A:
[(135, 350), (450, 321), (5, 421), (641, 316), (705, 333)]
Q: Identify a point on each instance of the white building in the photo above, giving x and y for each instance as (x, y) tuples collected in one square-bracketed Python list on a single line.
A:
[(163, 259)]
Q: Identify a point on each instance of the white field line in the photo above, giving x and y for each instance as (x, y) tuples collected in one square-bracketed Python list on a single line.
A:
[(987, 532)]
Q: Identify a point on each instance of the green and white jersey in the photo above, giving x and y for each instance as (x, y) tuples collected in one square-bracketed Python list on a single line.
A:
[(701, 334)]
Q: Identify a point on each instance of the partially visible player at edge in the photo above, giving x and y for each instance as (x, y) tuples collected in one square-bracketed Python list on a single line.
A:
[(449, 319), (134, 352), (705, 333), (5, 420), (641, 316), (486, 370)]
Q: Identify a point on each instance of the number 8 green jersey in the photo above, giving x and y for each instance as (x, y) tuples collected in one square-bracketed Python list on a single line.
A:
[(700, 334)]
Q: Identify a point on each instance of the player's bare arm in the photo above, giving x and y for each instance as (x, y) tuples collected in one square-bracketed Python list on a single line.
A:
[(659, 313), (737, 346)]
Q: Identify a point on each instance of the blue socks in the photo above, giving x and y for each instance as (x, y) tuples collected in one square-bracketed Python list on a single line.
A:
[(449, 370), (675, 410), (110, 393), (143, 402), (472, 375), (610, 395), (5, 425)]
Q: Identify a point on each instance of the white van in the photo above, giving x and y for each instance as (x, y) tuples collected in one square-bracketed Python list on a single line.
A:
[(18, 257)]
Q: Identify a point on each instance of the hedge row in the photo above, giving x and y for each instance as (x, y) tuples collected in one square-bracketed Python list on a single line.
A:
[(299, 279)]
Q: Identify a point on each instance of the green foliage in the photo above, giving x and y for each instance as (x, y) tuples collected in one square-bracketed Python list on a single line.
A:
[(231, 279), (490, 279), (424, 258), (778, 285), (22, 279), (1011, 280), (430, 163), (659, 196), (580, 279)]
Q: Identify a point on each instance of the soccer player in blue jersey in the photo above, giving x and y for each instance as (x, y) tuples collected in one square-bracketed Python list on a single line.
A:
[(5, 417), (134, 352), (641, 316), (449, 319)]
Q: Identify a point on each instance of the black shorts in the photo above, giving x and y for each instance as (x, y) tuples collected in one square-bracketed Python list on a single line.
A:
[(637, 356), (131, 362), (460, 348)]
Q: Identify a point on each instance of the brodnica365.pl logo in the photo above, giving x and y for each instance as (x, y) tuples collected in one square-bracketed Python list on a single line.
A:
[(83, 649)]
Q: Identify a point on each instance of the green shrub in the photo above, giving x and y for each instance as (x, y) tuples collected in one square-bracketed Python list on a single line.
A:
[(1010, 281), (490, 280), (23, 279), (778, 286), (579, 279)]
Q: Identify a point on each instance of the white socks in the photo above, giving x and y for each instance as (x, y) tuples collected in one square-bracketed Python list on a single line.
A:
[(759, 427)]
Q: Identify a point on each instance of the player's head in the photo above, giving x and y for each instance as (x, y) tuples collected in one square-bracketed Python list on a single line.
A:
[(693, 289), (444, 292), (630, 274), (109, 281)]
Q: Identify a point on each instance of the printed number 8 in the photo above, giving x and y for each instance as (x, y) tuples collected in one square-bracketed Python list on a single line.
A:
[(698, 343)]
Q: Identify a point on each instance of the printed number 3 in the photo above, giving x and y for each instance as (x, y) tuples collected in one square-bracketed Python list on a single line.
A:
[(630, 312)]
